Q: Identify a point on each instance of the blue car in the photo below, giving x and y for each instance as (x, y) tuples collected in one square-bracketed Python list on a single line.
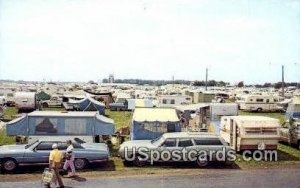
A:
[(38, 153)]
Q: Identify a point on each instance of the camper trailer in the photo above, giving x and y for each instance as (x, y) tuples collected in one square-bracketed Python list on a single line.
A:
[(250, 132), (258, 103), (25, 100), (173, 100)]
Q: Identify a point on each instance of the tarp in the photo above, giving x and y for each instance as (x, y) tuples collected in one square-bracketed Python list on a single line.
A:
[(52, 123), (150, 123)]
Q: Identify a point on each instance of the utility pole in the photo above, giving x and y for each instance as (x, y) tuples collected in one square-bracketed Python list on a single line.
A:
[(206, 75), (282, 81), (173, 81)]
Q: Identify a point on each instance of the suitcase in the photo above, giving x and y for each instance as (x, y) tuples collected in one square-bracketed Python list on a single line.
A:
[(48, 177)]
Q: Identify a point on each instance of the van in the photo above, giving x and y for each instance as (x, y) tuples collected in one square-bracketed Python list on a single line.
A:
[(258, 103), (250, 132)]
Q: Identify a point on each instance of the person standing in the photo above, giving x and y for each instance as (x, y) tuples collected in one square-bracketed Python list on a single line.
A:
[(55, 160), (70, 158)]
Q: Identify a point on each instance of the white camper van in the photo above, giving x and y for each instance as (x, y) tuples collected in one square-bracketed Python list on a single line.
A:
[(258, 103), (173, 100), (25, 100), (250, 132)]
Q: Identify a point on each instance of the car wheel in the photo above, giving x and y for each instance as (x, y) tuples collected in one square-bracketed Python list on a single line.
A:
[(45, 105), (80, 163), (259, 110), (138, 162), (9, 165), (202, 161), (127, 163)]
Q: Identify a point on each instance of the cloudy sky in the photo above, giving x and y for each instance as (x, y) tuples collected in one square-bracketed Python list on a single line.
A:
[(83, 40)]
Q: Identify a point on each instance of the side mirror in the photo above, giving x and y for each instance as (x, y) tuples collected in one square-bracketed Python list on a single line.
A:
[(34, 149)]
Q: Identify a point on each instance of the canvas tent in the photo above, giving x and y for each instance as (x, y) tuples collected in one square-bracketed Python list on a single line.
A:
[(150, 123), (293, 110), (50, 123), (87, 104)]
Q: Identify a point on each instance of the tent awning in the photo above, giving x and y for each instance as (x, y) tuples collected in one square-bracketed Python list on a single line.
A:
[(155, 114)]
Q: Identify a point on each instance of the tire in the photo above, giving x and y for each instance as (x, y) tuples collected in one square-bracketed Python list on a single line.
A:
[(127, 163), (138, 162), (259, 110), (45, 105), (80, 163), (202, 162), (9, 165)]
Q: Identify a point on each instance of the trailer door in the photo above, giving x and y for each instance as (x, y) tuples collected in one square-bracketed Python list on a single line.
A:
[(232, 134)]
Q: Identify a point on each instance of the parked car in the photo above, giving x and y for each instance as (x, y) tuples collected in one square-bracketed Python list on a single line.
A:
[(119, 106), (54, 101), (38, 153), (290, 132), (179, 141)]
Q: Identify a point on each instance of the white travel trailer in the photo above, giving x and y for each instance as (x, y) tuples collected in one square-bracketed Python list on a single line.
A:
[(173, 100), (250, 132), (25, 100), (258, 103)]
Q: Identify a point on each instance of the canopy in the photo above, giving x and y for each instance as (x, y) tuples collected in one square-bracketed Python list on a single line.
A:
[(155, 115), (50, 123)]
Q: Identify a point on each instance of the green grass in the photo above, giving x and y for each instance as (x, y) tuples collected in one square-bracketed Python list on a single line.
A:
[(9, 113), (4, 139), (121, 118)]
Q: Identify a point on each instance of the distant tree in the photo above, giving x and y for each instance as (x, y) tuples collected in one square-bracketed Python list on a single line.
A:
[(278, 85), (241, 84), (267, 85), (199, 83)]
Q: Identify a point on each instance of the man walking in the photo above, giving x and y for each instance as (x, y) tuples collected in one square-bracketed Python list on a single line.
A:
[(70, 158), (55, 160)]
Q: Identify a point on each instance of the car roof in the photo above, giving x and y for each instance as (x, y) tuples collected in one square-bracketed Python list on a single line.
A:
[(191, 135)]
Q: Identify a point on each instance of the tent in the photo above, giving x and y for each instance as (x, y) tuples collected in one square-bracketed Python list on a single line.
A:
[(150, 123), (53, 123), (293, 110), (86, 104)]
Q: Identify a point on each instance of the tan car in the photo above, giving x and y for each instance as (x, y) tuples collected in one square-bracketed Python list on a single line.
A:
[(290, 132)]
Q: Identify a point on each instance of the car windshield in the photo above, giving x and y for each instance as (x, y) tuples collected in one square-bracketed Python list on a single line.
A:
[(158, 141), (30, 144)]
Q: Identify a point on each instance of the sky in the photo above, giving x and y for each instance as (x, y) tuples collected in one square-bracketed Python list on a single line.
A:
[(82, 40)]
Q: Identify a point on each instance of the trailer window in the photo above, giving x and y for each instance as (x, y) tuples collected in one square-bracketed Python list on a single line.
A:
[(253, 130), (259, 100), (172, 101), (269, 131), (164, 101)]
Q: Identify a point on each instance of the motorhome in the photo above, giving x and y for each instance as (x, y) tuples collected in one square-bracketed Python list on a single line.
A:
[(25, 100), (250, 132), (258, 103), (173, 100)]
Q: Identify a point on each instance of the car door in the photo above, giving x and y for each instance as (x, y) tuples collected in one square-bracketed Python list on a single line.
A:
[(40, 153), (187, 145), (169, 145)]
